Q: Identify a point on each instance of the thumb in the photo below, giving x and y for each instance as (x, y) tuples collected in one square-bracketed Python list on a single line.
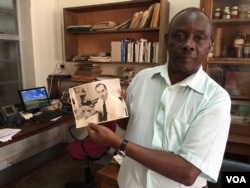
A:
[(123, 93)]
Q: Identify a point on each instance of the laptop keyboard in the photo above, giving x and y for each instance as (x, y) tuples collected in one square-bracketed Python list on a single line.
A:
[(46, 116)]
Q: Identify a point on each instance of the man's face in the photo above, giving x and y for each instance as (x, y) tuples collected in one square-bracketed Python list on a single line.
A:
[(188, 42), (103, 93), (86, 110)]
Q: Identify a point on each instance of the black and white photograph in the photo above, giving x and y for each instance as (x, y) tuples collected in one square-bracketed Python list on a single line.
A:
[(97, 102)]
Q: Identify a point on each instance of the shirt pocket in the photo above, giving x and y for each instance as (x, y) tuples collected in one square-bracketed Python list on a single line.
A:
[(175, 135)]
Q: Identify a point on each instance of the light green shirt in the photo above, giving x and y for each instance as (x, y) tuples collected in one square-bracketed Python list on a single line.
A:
[(190, 118)]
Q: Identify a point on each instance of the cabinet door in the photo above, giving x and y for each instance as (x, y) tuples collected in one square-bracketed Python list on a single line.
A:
[(8, 17), (230, 71), (10, 71)]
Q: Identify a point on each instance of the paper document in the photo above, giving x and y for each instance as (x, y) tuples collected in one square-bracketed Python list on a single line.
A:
[(7, 134)]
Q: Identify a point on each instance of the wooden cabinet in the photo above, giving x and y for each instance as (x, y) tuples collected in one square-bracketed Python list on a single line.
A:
[(94, 42), (230, 71), (107, 176)]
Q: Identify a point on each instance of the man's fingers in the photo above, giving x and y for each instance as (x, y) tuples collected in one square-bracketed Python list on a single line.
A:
[(123, 93)]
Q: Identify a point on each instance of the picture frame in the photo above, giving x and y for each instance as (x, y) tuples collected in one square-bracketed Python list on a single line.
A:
[(240, 111)]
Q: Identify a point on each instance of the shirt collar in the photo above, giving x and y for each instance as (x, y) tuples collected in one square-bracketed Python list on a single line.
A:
[(194, 81)]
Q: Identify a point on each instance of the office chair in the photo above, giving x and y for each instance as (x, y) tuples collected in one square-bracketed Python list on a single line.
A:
[(84, 149), (229, 165)]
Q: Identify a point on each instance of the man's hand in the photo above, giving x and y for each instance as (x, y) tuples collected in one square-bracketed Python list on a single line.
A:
[(103, 136)]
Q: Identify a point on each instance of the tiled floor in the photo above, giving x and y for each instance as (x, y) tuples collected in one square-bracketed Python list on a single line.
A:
[(55, 173)]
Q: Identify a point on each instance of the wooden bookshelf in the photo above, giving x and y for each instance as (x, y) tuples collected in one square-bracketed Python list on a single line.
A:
[(94, 42)]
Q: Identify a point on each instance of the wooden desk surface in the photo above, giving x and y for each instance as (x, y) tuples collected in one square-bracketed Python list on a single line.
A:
[(107, 175), (30, 128)]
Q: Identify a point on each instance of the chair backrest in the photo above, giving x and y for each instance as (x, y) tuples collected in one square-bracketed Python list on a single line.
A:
[(229, 165), (95, 151)]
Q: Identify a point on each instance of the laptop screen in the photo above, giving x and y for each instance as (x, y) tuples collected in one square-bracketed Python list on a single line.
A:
[(34, 99)]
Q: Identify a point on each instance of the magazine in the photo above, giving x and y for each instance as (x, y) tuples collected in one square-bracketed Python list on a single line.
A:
[(97, 102)]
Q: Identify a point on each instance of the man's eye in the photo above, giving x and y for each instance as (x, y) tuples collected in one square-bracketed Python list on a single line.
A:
[(179, 36), (199, 38)]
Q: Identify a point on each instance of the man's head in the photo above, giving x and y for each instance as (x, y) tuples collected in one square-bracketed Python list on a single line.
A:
[(86, 110), (83, 94), (101, 89), (188, 40)]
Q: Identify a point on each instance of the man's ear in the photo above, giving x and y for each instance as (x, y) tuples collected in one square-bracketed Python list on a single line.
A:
[(210, 44)]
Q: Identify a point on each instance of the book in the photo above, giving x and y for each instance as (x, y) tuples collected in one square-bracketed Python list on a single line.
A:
[(97, 102), (79, 28), (156, 15), (100, 58), (142, 50), (124, 25), (124, 49), (116, 51), (146, 17), (86, 72), (135, 20), (91, 72), (84, 78), (104, 25)]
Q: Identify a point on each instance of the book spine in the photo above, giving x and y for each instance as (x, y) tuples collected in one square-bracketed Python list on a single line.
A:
[(124, 49)]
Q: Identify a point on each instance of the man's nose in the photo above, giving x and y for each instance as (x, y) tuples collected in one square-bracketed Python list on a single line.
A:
[(189, 44)]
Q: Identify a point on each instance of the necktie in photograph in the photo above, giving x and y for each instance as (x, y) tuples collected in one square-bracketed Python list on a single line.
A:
[(104, 115)]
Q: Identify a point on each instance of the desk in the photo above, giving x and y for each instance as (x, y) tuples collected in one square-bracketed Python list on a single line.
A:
[(30, 128), (107, 176)]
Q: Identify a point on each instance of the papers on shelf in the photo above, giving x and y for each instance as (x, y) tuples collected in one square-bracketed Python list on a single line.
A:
[(105, 25), (79, 28), (100, 58), (6, 134)]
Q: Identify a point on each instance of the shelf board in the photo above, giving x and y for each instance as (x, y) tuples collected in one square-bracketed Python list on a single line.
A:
[(235, 21), (240, 129), (229, 60), (113, 63), (241, 97), (115, 31)]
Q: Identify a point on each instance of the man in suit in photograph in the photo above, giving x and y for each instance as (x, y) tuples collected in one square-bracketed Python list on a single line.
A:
[(108, 106)]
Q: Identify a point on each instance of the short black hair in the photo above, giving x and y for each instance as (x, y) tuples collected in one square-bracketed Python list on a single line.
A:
[(191, 10), (101, 84)]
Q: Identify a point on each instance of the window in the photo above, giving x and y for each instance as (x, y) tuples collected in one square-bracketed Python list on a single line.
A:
[(10, 70)]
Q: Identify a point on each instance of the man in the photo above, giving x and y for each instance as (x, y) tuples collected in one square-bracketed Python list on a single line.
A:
[(179, 117), (109, 107)]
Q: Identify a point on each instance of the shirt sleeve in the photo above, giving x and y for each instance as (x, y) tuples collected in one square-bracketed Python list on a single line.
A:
[(206, 139)]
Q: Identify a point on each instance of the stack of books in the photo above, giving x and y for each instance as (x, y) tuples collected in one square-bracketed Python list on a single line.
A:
[(147, 18), (86, 72)]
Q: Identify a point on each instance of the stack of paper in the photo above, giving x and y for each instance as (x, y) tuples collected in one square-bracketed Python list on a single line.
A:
[(6, 134), (106, 25)]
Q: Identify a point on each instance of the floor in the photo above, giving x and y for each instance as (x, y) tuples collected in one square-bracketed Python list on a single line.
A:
[(55, 173)]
